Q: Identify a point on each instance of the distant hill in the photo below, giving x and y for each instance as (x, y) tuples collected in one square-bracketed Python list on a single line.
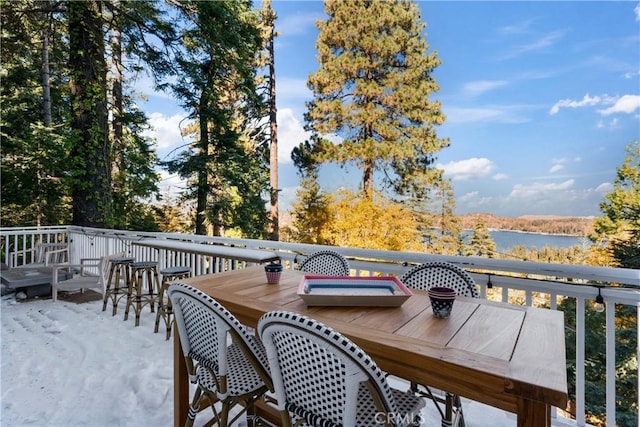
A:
[(552, 224)]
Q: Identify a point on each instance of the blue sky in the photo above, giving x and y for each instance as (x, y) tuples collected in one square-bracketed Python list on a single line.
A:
[(541, 99)]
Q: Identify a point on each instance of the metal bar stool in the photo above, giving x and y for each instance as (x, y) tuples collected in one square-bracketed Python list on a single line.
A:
[(119, 273), (136, 297), (165, 309)]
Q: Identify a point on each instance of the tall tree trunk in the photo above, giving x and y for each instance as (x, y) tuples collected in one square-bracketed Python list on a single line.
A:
[(121, 215), (202, 189), (46, 85), (116, 93), (273, 159), (90, 160)]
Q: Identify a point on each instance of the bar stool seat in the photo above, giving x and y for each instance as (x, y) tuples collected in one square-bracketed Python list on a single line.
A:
[(119, 273), (165, 309), (136, 296)]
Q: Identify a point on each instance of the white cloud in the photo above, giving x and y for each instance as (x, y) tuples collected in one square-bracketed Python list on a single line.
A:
[(292, 89), (166, 131), (568, 103), (468, 169), (521, 28), (296, 24), (473, 202), (290, 134), (604, 188), (500, 176), (473, 89), (556, 168), (539, 44), (626, 104), (170, 185), (494, 114), (540, 190), (637, 12)]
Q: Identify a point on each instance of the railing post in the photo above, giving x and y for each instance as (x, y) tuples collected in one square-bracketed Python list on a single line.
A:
[(580, 334), (611, 364)]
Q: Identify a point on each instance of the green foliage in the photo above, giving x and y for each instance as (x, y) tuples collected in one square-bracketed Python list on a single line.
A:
[(90, 162), (620, 225), (312, 212), (626, 364), (372, 91), (481, 243), (226, 163), (618, 230), (33, 158), (441, 228)]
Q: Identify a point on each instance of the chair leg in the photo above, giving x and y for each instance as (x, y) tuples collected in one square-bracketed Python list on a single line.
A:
[(194, 408), (453, 411)]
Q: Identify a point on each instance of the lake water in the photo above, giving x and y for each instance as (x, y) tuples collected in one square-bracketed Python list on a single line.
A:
[(505, 240)]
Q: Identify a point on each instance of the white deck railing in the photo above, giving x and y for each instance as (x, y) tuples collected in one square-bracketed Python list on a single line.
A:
[(537, 284)]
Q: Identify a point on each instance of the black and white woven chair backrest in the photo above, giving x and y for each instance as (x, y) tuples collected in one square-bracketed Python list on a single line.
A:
[(204, 325), (326, 263), (317, 372), (438, 273)]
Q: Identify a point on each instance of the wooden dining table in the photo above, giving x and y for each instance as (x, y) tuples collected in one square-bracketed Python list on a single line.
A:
[(507, 356)]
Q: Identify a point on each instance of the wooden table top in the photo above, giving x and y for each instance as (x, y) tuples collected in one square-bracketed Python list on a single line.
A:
[(495, 353)]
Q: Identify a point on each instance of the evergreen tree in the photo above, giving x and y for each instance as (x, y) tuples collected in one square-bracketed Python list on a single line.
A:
[(618, 236), (134, 179), (620, 225), (90, 158), (267, 25), (226, 162), (445, 222), (481, 243), (311, 211), (34, 95), (372, 90)]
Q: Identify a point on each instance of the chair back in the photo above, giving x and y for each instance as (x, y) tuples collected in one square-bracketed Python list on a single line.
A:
[(103, 269), (205, 326), (41, 254), (438, 273), (41, 250), (318, 374), (58, 256), (326, 263)]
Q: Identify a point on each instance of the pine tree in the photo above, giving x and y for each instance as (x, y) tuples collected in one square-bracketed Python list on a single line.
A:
[(481, 243), (372, 90), (620, 225), (449, 241), (267, 25), (34, 143), (226, 163), (311, 211), (90, 156)]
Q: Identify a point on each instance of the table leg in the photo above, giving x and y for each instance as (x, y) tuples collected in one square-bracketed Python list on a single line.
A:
[(533, 414), (180, 383)]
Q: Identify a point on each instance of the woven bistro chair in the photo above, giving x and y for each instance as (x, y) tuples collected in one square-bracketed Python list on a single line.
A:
[(445, 274), (225, 361), (326, 263), (321, 378)]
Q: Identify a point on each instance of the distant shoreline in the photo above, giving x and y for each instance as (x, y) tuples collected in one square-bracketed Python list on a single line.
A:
[(470, 230), (536, 232)]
